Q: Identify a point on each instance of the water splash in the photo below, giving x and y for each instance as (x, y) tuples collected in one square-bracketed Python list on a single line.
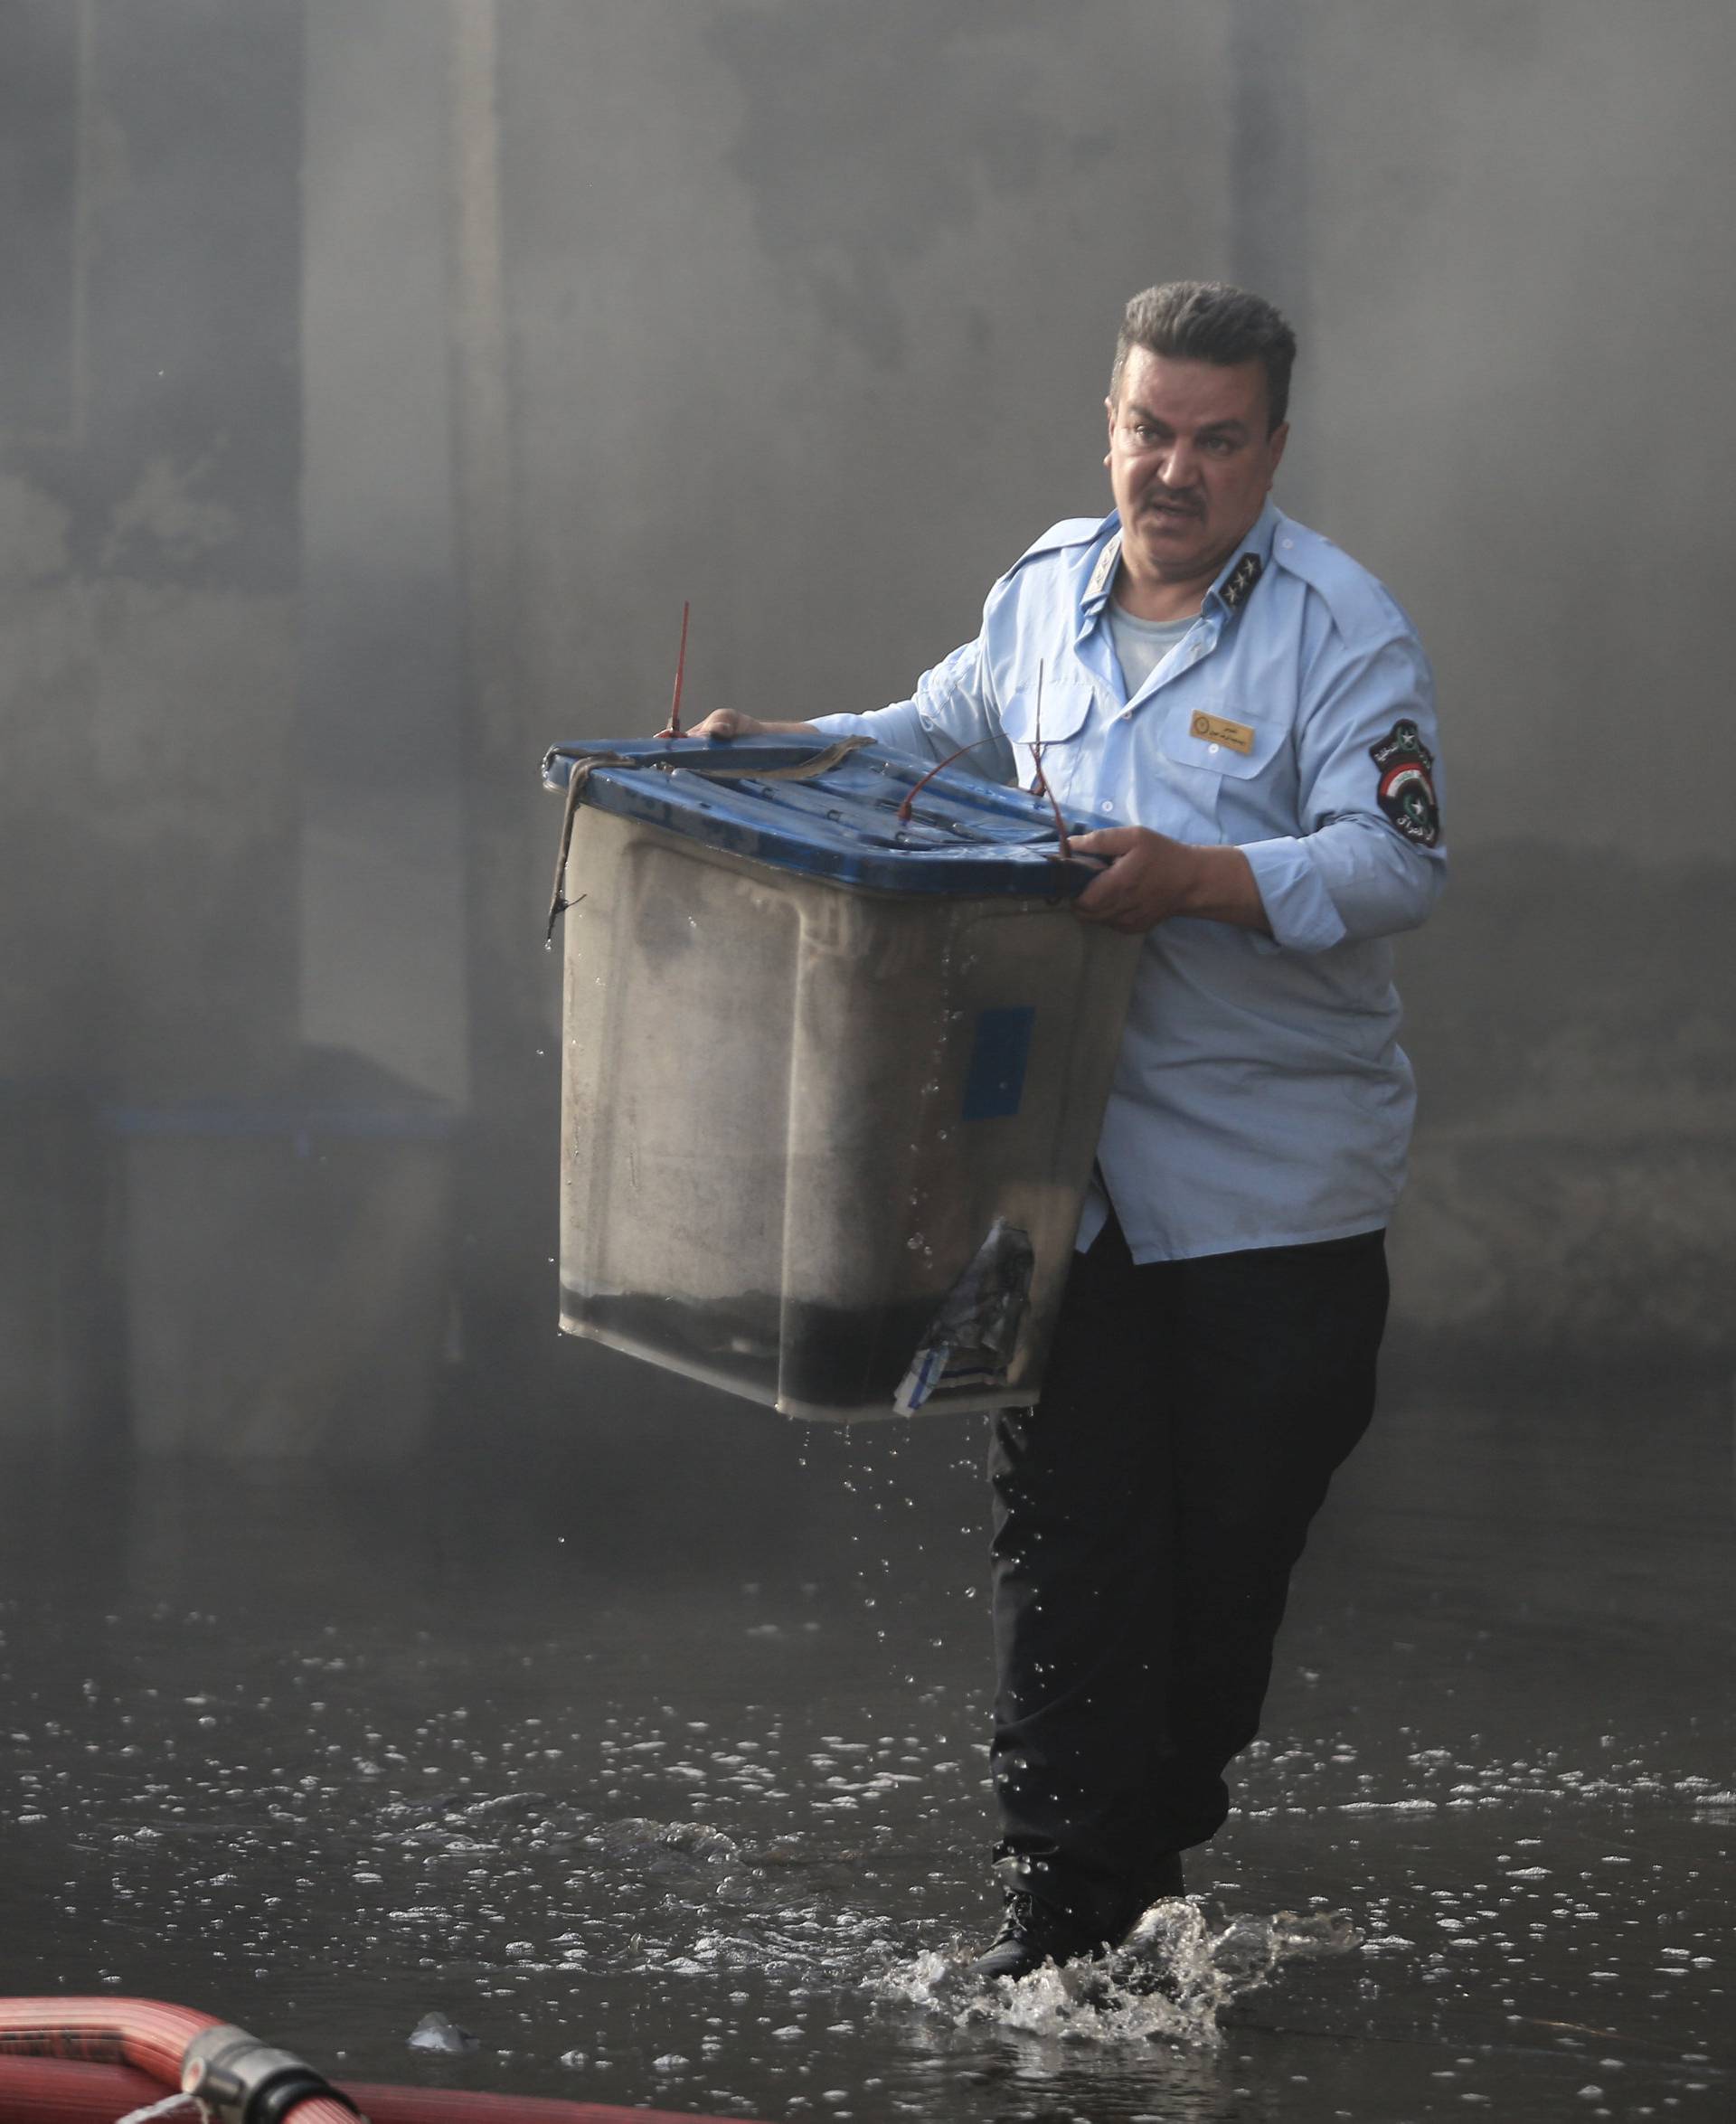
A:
[(1170, 1983), (171, 2105)]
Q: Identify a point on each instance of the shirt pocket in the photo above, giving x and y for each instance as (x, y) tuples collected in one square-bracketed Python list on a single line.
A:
[(1234, 770), (1066, 712)]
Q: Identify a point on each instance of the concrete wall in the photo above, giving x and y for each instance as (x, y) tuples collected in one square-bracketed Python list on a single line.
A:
[(147, 551), (1523, 259), (185, 1261), (149, 418), (381, 861)]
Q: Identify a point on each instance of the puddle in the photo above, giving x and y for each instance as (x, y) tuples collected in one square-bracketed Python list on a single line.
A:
[(644, 1807)]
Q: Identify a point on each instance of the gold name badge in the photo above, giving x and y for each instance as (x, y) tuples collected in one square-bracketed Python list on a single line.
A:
[(1220, 731)]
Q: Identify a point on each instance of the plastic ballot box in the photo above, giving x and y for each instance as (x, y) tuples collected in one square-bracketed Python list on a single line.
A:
[(835, 1055)]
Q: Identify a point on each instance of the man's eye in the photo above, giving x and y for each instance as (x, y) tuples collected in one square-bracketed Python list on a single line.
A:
[(1219, 445)]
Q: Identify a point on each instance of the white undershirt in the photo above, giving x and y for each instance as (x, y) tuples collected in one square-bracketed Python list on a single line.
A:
[(1141, 645)]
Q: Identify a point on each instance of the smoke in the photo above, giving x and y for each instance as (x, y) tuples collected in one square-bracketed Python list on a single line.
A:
[(807, 312)]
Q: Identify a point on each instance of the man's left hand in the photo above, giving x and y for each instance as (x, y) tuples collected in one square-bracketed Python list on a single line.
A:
[(1151, 878)]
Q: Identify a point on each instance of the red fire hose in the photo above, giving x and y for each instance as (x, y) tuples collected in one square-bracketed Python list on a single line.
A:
[(91, 2060)]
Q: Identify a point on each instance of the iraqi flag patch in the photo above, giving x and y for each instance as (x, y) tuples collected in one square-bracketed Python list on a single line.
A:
[(1407, 789)]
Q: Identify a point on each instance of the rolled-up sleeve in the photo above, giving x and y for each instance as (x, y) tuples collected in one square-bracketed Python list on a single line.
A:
[(1372, 861)]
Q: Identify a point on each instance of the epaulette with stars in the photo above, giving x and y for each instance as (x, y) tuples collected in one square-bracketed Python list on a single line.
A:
[(1240, 580)]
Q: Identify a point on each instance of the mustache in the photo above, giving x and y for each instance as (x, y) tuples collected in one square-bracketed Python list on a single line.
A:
[(1185, 503)]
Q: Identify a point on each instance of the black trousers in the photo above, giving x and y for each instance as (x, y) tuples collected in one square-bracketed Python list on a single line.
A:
[(1147, 1514)]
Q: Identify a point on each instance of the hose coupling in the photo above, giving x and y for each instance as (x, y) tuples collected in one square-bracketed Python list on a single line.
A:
[(242, 2081)]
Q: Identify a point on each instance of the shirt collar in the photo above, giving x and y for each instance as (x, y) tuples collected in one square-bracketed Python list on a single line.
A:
[(1235, 580), (1099, 576)]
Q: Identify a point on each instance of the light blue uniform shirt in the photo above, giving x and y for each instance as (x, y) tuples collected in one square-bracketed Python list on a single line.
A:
[(1261, 1096)]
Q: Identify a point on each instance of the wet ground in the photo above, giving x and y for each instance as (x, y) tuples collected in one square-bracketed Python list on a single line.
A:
[(659, 1772)]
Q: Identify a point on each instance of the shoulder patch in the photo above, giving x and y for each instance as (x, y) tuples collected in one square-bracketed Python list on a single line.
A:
[(1406, 786)]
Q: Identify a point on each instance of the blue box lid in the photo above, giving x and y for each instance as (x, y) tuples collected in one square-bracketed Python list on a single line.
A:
[(965, 836)]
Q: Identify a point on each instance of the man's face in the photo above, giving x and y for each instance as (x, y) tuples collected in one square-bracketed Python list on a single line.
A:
[(1190, 464)]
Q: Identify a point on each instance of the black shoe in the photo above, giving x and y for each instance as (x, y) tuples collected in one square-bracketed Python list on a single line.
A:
[(1034, 1932)]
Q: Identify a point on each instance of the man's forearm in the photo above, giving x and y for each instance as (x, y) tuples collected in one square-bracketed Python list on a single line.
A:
[(1221, 889)]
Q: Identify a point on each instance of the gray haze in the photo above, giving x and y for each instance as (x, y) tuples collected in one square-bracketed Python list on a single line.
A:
[(381, 378), (377, 378)]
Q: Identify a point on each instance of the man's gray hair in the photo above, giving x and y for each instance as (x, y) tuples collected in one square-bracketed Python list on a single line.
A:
[(1210, 321)]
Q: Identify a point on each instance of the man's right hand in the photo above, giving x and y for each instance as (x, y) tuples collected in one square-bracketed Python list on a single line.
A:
[(729, 723)]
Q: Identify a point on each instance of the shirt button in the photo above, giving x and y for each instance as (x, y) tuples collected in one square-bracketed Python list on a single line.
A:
[(1210, 748), (1106, 806), (1288, 541), (1127, 716)]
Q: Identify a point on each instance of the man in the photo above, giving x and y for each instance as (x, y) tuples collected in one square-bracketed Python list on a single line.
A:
[(1260, 708)]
